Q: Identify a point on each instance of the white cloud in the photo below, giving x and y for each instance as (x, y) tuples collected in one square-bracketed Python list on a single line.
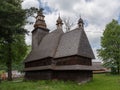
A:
[(28, 38), (94, 33), (30, 3), (51, 20), (97, 13)]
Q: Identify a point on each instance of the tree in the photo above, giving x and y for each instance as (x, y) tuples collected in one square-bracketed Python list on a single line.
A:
[(68, 23), (110, 46), (18, 51), (12, 33)]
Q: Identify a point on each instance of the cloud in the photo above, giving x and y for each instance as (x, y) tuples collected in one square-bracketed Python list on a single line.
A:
[(94, 33), (30, 3), (96, 14), (28, 38), (38, 4)]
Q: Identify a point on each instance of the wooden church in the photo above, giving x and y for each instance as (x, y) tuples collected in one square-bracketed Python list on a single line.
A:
[(59, 55)]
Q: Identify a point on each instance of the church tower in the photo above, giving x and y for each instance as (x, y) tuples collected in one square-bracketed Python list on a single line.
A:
[(40, 29), (59, 23), (80, 23), (40, 22)]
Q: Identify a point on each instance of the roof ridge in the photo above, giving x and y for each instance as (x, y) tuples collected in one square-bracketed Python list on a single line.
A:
[(58, 44), (84, 42), (80, 40)]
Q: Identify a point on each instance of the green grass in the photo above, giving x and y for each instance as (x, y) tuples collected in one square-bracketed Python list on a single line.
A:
[(99, 82)]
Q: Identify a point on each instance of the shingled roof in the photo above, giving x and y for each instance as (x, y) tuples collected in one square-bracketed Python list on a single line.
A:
[(74, 42), (65, 67), (47, 47), (58, 44)]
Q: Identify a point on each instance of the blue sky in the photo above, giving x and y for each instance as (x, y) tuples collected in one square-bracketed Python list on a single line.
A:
[(95, 13)]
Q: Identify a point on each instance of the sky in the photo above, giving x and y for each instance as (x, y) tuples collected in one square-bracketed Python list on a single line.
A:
[(95, 13)]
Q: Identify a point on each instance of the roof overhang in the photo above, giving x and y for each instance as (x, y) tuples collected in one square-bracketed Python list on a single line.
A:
[(63, 67)]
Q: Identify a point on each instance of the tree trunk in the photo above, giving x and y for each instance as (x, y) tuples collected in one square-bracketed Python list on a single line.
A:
[(9, 63), (118, 68)]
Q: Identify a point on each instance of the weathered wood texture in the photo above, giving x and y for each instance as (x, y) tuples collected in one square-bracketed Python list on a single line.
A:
[(43, 62), (73, 60), (76, 75)]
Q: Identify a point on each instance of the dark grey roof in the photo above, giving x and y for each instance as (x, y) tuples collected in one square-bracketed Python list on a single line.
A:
[(84, 46), (58, 44), (38, 68), (69, 44), (74, 67), (63, 67), (74, 43), (47, 47)]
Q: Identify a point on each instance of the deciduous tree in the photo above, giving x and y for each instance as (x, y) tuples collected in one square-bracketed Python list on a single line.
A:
[(110, 46)]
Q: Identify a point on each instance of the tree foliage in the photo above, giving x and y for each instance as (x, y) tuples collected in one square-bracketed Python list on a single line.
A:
[(110, 46), (12, 33)]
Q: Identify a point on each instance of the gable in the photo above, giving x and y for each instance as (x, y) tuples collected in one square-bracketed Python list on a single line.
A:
[(84, 46), (69, 44), (74, 43)]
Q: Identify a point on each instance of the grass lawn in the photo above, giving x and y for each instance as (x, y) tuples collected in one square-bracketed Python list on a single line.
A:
[(99, 82)]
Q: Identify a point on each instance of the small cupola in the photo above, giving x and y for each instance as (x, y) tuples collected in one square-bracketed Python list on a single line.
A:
[(40, 22), (59, 23), (81, 23)]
